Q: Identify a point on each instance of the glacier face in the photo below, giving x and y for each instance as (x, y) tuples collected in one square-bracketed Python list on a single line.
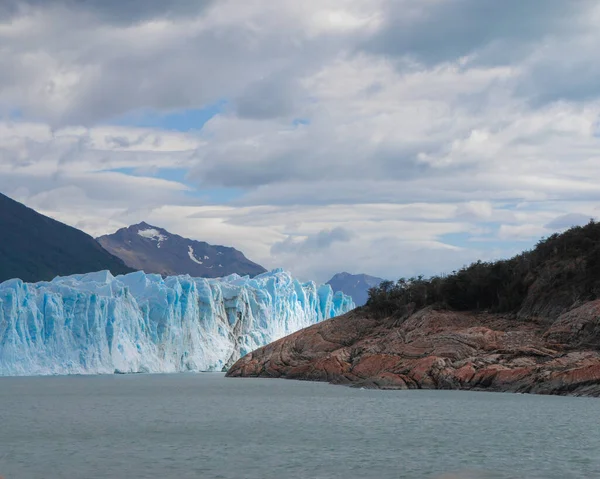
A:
[(97, 323)]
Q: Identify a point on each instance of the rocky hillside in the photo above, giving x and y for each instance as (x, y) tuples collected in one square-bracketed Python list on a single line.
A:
[(530, 324), (440, 349), (34, 247), (155, 250)]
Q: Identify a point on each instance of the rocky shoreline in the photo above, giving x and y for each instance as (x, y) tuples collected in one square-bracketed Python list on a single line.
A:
[(440, 349)]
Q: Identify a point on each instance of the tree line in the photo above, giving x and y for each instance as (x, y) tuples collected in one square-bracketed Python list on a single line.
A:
[(558, 272)]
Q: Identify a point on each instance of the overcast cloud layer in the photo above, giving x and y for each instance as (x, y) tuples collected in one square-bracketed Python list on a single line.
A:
[(391, 137)]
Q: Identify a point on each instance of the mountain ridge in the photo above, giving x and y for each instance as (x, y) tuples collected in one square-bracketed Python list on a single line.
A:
[(155, 250), (355, 285), (34, 247)]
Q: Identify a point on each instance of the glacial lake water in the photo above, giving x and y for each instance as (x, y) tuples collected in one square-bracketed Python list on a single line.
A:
[(206, 426)]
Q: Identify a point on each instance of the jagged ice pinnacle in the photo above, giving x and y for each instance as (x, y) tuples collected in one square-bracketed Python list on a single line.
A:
[(96, 323)]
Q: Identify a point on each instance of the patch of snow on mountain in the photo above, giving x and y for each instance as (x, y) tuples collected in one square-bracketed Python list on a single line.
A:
[(192, 257), (153, 234)]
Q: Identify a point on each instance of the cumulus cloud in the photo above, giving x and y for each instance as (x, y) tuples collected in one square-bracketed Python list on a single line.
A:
[(390, 137), (110, 11), (272, 97), (438, 31), (322, 240)]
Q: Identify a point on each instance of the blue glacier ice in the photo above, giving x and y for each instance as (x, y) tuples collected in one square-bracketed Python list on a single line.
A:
[(96, 323)]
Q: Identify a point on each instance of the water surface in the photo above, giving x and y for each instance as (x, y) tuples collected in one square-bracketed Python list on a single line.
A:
[(205, 426)]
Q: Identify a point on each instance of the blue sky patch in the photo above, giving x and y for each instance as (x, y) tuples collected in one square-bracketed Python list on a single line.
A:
[(179, 120), (300, 121)]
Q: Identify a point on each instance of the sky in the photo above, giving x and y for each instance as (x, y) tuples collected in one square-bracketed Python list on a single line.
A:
[(388, 137)]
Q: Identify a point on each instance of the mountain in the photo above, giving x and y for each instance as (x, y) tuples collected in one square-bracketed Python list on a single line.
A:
[(34, 247), (155, 250), (355, 285), (529, 324), (96, 323)]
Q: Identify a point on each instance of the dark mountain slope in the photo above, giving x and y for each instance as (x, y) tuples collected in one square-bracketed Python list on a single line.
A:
[(34, 247), (355, 285), (155, 250)]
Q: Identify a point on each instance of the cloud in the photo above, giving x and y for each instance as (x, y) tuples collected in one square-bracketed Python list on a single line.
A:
[(561, 70), (109, 11), (324, 239), (96, 62), (390, 137), (444, 31), (568, 220), (267, 98)]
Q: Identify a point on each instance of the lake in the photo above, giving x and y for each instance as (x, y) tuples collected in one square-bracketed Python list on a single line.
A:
[(206, 426)]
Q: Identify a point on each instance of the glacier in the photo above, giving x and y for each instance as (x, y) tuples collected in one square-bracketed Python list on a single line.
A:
[(96, 323)]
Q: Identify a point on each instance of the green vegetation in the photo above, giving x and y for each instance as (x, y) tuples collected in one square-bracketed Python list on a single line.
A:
[(561, 271)]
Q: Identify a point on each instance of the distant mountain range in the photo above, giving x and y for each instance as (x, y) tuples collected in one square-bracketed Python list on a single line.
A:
[(34, 247), (155, 250), (355, 285)]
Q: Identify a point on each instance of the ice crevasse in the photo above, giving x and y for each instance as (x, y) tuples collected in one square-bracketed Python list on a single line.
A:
[(96, 323)]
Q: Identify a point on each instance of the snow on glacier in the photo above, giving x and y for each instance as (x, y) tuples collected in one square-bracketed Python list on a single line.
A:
[(96, 323)]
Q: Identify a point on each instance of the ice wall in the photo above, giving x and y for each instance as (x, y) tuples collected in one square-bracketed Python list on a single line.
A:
[(96, 323)]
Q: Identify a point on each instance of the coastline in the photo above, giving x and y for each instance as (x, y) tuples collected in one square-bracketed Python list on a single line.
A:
[(439, 349)]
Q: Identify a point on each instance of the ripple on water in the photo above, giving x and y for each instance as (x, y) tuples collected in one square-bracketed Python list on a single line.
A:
[(205, 426)]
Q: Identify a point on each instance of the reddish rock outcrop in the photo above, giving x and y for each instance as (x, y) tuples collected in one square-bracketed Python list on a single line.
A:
[(441, 349)]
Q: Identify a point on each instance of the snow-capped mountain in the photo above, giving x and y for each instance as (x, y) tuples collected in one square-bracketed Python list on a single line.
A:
[(34, 247), (96, 323), (155, 250), (355, 285)]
